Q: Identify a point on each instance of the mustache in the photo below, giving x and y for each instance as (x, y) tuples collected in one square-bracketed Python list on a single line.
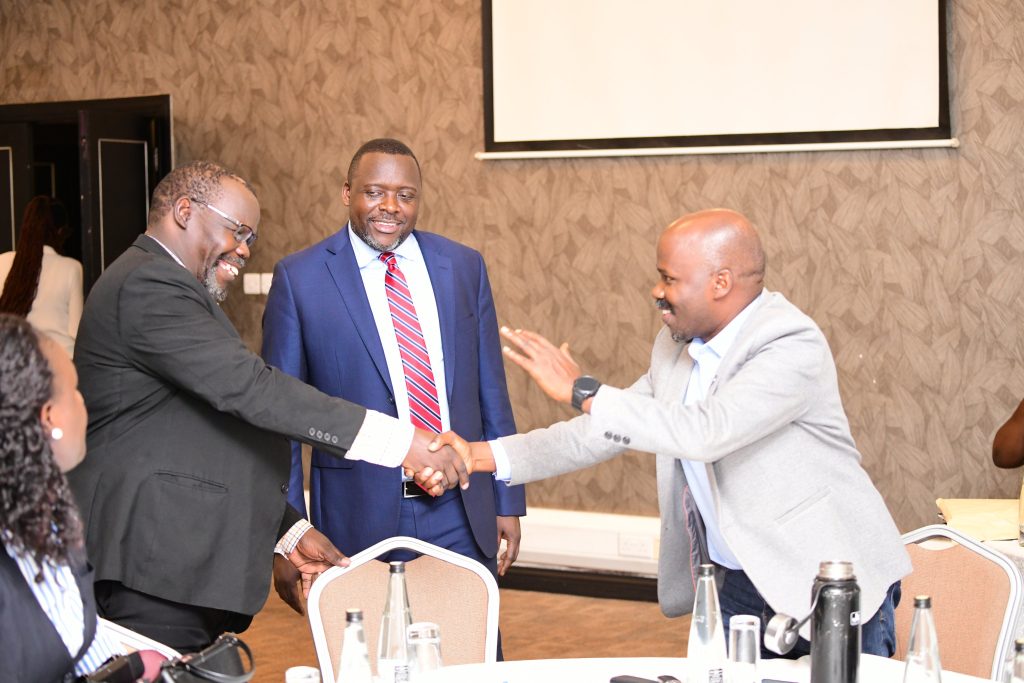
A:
[(662, 305), (234, 259)]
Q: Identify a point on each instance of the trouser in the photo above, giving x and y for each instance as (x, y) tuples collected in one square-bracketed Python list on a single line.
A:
[(739, 596), (186, 628)]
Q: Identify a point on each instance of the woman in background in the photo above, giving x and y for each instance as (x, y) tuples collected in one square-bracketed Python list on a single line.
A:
[(37, 281), (47, 610)]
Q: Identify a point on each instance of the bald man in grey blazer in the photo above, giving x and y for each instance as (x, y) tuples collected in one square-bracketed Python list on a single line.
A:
[(757, 470)]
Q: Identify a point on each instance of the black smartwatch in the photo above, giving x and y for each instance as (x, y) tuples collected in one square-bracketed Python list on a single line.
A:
[(583, 388)]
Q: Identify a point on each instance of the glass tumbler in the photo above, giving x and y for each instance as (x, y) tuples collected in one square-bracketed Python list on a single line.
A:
[(424, 647), (744, 649)]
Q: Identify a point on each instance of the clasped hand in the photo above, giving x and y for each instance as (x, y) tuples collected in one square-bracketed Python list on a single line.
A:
[(438, 462)]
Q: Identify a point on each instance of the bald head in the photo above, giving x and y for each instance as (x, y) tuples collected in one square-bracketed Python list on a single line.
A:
[(727, 240), (712, 266)]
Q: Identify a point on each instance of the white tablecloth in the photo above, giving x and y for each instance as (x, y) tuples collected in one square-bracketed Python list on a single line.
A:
[(872, 670)]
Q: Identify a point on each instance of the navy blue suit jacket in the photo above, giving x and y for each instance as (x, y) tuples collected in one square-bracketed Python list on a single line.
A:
[(318, 326)]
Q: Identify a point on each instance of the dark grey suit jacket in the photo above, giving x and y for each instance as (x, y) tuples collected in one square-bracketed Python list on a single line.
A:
[(184, 486)]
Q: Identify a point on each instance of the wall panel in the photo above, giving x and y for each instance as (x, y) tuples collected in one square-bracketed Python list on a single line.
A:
[(911, 261)]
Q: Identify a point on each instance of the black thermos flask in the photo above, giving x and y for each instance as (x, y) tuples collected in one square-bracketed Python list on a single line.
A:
[(835, 624)]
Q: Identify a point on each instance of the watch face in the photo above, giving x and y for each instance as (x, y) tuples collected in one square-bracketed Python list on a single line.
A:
[(586, 384)]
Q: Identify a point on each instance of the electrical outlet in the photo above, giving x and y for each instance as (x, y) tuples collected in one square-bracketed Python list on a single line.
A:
[(251, 283), (631, 545)]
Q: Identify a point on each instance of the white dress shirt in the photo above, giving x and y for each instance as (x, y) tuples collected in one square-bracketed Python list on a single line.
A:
[(410, 260)]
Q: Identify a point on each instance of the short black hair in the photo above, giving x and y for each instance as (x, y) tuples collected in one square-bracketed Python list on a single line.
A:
[(381, 146), (200, 180)]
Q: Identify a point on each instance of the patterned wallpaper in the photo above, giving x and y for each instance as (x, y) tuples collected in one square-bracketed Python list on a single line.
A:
[(911, 261)]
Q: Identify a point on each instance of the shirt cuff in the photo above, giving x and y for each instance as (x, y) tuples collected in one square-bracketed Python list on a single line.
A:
[(291, 539), (502, 465), (382, 440)]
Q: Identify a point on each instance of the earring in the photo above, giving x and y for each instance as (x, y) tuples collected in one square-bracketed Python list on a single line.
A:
[(57, 434)]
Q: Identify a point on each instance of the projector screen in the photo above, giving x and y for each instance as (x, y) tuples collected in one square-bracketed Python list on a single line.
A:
[(653, 74)]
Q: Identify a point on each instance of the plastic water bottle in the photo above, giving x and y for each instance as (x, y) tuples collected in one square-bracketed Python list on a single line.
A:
[(355, 662), (923, 651), (393, 648), (705, 652)]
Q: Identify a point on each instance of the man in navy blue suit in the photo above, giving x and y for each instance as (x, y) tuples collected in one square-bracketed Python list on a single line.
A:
[(331, 321)]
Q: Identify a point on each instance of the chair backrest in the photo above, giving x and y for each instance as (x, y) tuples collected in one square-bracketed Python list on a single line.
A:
[(458, 594), (133, 641), (976, 598)]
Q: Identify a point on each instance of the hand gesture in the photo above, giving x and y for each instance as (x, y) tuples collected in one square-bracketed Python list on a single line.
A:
[(553, 369)]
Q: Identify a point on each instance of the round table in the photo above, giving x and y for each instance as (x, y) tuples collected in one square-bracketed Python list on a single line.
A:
[(872, 669)]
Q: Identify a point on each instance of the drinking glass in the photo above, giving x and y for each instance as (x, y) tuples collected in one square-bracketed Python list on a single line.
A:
[(424, 647), (744, 648)]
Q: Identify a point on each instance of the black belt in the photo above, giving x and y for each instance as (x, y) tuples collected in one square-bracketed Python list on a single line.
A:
[(410, 489)]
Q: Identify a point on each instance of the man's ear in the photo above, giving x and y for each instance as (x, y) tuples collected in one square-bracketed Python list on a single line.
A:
[(182, 211), (346, 194), (723, 282)]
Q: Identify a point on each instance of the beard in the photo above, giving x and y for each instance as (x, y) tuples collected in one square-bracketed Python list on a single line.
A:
[(677, 337), (219, 291), (373, 243)]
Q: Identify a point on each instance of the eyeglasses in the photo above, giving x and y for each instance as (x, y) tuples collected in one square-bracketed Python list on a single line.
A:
[(243, 232)]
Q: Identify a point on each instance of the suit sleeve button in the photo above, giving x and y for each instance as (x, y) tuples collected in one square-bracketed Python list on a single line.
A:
[(616, 438), (312, 432), (625, 440), (334, 439), (319, 434), (607, 435)]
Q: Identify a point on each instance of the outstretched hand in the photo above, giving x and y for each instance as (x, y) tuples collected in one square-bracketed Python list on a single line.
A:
[(551, 367)]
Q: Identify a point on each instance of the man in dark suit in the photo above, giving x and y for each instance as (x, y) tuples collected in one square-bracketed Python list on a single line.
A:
[(183, 492), (329, 321)]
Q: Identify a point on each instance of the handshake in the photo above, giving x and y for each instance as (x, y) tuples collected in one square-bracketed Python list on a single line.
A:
[(438, 462)]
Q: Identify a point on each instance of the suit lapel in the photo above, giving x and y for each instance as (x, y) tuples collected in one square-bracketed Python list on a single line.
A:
[(678, 377), (148, 244), (341, 264), (442, 281)]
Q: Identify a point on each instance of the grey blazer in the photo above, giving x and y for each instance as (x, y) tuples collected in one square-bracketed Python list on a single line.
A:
[(784, 471)]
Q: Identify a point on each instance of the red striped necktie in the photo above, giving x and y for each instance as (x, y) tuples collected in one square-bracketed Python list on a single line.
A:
[(424, 409)]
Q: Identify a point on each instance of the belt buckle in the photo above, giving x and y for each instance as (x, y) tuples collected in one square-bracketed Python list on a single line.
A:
[(410, 489)]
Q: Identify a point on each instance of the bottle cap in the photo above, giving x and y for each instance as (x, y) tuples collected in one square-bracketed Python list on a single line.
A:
[(923, 601), (397, 567), (835, 570), (706, 570), (353, 615), (1018, 645)]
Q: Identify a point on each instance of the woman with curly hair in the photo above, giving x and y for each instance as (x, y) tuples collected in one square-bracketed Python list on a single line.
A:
[(36, 281), (47, 610)]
